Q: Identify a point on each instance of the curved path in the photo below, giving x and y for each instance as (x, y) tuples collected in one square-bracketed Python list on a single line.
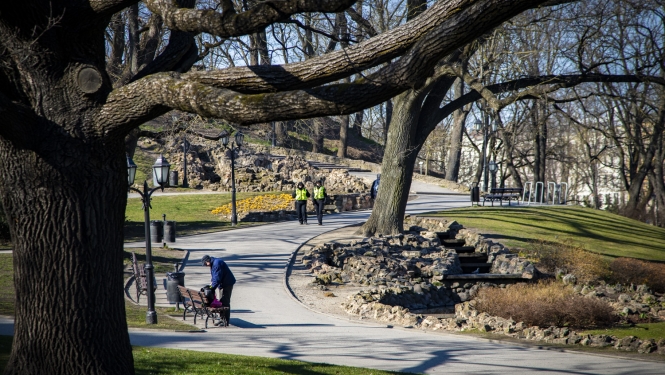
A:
[(267, 322)]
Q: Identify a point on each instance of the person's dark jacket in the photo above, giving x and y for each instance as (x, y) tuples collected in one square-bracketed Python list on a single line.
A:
[(375, 188), (221, 274)]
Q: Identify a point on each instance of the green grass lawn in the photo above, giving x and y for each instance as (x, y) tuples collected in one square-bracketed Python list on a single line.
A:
[(136, 318), (6, 285), (595, 230), (163, 259), (135, 314), (191, 212), (157, 361), (643, 331)]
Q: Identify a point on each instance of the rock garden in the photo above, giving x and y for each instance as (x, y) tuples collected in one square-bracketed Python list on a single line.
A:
[(438, 275)]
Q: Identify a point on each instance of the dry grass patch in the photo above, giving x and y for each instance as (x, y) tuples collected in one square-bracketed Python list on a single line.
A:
[(545, 304), (633, 271), (552, 256)]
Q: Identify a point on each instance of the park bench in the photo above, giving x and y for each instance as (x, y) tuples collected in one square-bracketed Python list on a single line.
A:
[(502, 194), (196, 302), (140, 280)]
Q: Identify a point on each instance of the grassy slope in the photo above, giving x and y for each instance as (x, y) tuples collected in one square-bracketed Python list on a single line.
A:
[(596, 231), (170, 361), (642, 331)]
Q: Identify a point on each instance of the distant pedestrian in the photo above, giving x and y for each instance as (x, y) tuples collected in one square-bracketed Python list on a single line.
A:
[(375, 187), (301, 194), (319, 200), (221, 277)]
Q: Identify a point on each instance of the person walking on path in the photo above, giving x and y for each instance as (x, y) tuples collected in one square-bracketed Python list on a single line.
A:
[(319, 200), (221, 277), (375, 187), (301, 194)]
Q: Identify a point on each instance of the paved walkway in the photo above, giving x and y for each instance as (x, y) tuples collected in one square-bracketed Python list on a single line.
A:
[(267, 321)]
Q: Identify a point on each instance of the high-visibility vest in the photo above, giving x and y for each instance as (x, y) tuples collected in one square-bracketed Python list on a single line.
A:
[(301, 194), (319, 193)]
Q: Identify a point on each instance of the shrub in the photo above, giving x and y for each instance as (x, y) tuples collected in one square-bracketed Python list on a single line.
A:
[(633, 271), (545, 304), (550, 256), (268, 202)]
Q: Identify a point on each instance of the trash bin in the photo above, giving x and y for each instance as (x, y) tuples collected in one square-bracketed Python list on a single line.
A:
[(174, 279), (156, 231), (173, 178), (169, 231), (475, 194)]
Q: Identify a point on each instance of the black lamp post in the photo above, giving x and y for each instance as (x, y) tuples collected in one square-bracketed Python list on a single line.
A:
[(493, 168), (161, 173), (239, 137)]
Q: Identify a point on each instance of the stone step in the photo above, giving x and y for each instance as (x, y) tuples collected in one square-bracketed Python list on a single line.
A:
[(443, 235), (462, 249), (485, 276), (453, 242), (481, 267), (466, 258)]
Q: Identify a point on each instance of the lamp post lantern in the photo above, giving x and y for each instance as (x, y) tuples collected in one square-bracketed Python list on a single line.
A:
[(160, 172), (239, 138), (493, 167)]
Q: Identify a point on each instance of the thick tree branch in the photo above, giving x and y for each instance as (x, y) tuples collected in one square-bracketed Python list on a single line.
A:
[(332, 66), (105, 7), (127, 107), (229, 24)]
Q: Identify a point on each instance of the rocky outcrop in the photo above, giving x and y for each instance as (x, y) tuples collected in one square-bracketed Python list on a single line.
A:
[(393, 261)]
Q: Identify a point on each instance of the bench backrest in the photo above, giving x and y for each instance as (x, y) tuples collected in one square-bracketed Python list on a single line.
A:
[(197, 298), (505, 190)]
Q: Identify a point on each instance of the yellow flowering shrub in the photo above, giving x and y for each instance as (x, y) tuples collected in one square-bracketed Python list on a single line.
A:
[(263, 203)]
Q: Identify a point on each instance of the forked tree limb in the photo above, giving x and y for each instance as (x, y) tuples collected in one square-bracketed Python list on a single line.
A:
[(231, 24), (130, 105)]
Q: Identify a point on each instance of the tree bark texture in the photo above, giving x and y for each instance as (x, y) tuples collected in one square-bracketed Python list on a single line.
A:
[(397, 168), (343, 135), (455, 151), (65, 206)]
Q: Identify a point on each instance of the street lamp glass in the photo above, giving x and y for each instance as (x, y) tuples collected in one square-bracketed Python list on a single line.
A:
[(478, 125), (131, 171), (493, 167), (239, 138), (494, 126), (161, 170), (225, 140)]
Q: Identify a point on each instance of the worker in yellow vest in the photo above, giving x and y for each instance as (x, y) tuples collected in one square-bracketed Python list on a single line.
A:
[(319, 200), (301, 194)]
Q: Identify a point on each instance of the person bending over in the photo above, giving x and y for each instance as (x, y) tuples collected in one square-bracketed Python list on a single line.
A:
[(221, 277)]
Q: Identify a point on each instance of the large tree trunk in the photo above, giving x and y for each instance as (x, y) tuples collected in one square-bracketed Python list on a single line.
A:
[(343, 133), (397, 168), (455, 151), (319, 128), (68, 264)]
